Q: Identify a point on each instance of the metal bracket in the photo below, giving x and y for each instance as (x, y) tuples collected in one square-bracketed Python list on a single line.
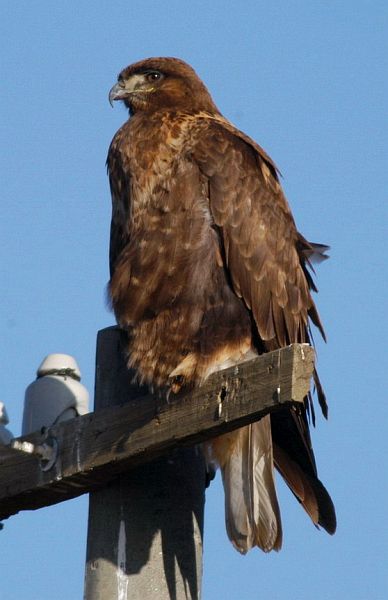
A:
[(46, 452)]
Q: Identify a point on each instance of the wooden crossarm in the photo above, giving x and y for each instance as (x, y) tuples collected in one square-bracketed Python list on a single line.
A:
[(89, 451)]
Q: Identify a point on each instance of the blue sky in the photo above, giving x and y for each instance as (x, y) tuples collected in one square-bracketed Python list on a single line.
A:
[(308, 81)]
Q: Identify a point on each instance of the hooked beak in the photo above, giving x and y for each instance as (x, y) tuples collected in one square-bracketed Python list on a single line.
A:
[(118, 92), (133, 85)]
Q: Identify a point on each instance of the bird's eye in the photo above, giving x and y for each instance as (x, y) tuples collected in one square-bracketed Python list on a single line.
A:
[(154, 76)]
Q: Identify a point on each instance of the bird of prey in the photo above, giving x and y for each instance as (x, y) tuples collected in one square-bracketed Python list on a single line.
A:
[(207, 270)]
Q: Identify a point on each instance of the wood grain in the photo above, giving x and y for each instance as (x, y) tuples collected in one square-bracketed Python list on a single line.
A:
[(94, 448)]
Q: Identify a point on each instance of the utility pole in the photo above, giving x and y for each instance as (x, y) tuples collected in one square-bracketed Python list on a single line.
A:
[(137, 455), (145, 529)]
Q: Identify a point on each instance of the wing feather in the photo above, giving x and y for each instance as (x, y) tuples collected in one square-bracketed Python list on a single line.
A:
[(268, 260), (266, 256)]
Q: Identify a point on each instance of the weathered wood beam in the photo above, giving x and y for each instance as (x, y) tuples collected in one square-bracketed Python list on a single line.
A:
[(93, 449)]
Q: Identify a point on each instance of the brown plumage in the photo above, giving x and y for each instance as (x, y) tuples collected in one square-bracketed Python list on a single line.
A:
[(208, 269)]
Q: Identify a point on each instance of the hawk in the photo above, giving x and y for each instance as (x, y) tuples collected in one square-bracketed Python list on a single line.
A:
[(207, 270)]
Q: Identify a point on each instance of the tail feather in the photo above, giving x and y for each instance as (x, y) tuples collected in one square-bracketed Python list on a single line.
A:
[(251, 508), (308, 489)]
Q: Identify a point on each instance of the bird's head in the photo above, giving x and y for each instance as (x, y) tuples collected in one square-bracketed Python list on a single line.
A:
[(161, 84)]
